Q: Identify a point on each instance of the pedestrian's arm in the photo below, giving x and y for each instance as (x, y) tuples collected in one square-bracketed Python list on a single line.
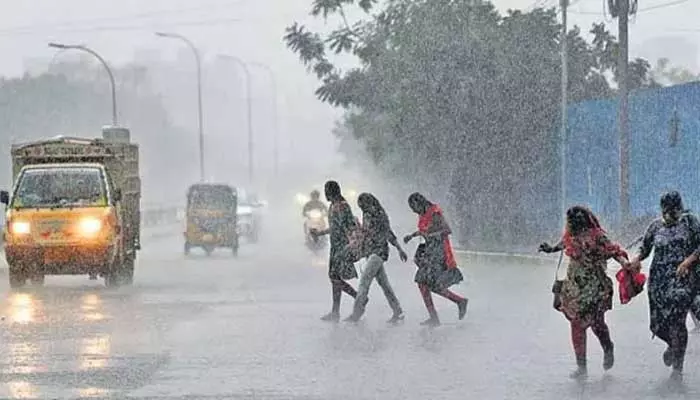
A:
[(393, 241), (647, 245)]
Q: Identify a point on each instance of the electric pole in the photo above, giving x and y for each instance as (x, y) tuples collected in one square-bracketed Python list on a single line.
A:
[(564, 102), (621, 10)]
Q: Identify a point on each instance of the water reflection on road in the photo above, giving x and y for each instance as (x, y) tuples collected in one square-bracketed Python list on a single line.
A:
[(67, 339)]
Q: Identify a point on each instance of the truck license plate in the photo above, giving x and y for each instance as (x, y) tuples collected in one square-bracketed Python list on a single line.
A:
[(55, 255)]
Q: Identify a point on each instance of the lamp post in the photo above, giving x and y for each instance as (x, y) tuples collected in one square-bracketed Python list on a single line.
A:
[(249, 106), (200, 116), (104, 64)]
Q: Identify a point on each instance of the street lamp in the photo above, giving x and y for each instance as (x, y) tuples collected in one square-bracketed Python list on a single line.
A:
[(104, 64), (199, 94), (249, 105), (273, 80)]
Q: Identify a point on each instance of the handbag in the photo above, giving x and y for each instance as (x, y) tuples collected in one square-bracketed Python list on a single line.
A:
[(557, 285)]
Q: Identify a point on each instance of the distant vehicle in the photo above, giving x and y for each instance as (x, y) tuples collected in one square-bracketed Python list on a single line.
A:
[(249, 215), (211, 218)]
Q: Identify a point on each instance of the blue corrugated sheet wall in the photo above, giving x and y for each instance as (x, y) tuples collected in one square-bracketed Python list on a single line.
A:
[(655, 164)]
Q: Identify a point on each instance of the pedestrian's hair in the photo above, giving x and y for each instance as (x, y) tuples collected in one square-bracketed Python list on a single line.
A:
[(579, 219), (672, 201), (332, 189), (369, 204), (419, 201)]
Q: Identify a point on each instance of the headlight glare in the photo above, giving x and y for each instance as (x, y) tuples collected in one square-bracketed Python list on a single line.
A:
[(20, 228), (90, 226)]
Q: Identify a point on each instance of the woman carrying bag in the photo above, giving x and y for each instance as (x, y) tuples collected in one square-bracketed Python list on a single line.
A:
[(586, 294)]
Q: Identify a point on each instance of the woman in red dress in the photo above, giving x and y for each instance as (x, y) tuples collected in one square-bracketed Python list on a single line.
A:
[(437, 266)]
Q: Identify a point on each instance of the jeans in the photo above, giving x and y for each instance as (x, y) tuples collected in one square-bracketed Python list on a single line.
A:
[(374, 268)]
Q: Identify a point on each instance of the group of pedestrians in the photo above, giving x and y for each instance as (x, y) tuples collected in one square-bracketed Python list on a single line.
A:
[(352, 240), (585, 295)]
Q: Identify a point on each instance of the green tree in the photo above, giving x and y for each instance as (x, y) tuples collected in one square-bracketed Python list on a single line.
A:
[(461, 99), (665, 72)]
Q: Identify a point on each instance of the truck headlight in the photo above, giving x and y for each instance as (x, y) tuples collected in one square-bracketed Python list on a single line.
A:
[(90, 226), (20, 228)]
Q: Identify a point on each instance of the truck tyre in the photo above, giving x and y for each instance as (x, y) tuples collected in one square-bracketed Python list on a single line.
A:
[(17, 278), (187, 248), (127, 272), (37, 279), (112, 279), (208, 250)]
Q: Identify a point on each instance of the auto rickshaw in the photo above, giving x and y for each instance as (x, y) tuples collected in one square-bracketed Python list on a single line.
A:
[(211, 218)]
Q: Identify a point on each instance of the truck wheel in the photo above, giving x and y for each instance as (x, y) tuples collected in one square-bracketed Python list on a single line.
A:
[(17, 279), (127, 272), (112, 279), (208, 250), (38, 279), (187, 248)]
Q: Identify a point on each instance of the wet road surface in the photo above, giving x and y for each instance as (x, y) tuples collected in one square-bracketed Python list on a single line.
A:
[(248, 328)]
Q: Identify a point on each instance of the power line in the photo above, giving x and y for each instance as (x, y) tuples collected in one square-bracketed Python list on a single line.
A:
[(640, 10), (664, 5), (128, 17), (220, 21)]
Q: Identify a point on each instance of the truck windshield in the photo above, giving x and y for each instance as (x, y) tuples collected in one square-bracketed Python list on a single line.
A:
[(60, 187), (219, 199)]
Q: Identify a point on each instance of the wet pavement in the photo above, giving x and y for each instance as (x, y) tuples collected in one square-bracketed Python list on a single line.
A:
[(248, 328)]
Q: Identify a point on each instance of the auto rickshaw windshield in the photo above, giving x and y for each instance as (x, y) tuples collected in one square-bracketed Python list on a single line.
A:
[(215, 199)]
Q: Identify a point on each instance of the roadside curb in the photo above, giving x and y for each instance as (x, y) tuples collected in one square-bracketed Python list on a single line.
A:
[(504, 255)]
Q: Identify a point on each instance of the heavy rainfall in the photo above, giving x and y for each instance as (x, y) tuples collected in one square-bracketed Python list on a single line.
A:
[(350, 199)]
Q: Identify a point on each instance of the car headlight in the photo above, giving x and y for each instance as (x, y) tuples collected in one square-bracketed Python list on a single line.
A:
[(20, 228), (302, 198), (90, 226)]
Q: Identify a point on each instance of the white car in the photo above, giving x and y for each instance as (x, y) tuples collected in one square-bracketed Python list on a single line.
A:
[(248, 216)]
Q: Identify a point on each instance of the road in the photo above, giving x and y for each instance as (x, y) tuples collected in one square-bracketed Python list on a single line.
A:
[(249, 328)]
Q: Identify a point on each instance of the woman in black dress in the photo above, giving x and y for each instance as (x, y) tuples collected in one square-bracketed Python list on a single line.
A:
[(341, 267), (675, 239)]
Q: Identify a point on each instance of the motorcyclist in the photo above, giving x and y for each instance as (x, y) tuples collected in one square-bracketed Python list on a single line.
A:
[(315, 204)]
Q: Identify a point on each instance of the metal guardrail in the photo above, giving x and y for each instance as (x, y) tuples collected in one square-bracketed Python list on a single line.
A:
[(163, 215)]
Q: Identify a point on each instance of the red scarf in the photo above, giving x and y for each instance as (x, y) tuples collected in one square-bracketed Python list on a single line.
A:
[(425, 221)]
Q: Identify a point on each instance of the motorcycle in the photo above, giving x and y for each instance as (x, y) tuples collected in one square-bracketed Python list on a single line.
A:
[(316, 220)]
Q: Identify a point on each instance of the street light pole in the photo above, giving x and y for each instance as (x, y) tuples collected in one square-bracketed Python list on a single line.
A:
[(564, 102), (200, 116), (249, 106), (273, 80), (104, 64)]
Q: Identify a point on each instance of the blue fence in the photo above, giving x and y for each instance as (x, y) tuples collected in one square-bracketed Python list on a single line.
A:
[(664, 151)]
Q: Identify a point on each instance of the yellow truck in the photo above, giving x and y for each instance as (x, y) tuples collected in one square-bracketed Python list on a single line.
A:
[(74, 209)]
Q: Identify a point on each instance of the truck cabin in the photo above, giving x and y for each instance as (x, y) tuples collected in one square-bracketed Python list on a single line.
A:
[(62, 186), (63, 172)]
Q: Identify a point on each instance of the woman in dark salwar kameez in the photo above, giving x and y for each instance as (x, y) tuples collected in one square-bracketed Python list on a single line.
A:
[(587, 291), (675, 239)]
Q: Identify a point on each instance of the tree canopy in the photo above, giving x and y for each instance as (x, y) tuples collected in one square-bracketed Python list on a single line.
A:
[(463, 100)]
